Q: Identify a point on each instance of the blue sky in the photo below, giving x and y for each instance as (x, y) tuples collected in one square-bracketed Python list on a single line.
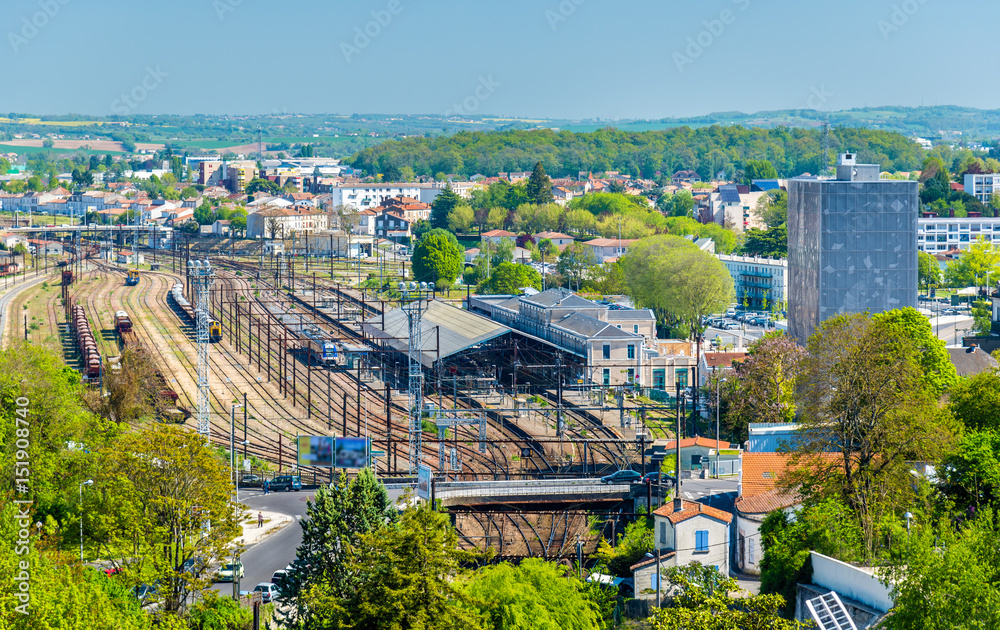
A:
[(545, 58)]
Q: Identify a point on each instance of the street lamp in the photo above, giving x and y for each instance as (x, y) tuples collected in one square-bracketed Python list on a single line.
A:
[(88, 482), (718, 405)]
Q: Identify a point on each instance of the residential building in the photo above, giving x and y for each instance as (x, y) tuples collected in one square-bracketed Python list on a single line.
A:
[(393, 225), (735, 207), (683, 532), (852, 245), (942, 234), (760, 283), (221, 227), (982, 186), (712, 363), (695, 452), (685, 177), (368, 196), (558, 239), (609, 249), (285, 221), (40, 247), (758, 496), (497, 236), (412, 210), (972, 360)]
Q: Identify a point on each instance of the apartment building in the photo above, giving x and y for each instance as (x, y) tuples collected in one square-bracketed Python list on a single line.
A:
[(936, 235), (286, 221), (759, 282), (369, 196), (982, 185), (734, 206)]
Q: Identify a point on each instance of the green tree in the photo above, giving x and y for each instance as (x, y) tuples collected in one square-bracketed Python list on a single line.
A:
[(539, 186), (982, 318), (460, 218), (772, 208), (238, 224), (216, 612), (826, 526), (975, 266), (153, 494), (438, 258), (938, 371), (762, 385), (969, 477), (629, 548), (681, 283), (406, 578), (863, 396), (702, 601), (189, 192), (574, 261), (496, 218), (4, 165), (759, 169), (770, 243), (534, 595), (442, 206), (974, 401), (258, 185), (509, 278), (336, 519), (946, 578), (928, 270)]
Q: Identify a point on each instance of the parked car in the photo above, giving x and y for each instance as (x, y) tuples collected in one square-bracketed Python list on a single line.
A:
[(622, 476), (268, 592), (145, 592), (656, 478), (229, 572), (278, 577), (286, 483), (249, 479)]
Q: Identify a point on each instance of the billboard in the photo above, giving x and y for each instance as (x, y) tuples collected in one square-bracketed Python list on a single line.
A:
[(315, 450), (352, 452), (424, 482)]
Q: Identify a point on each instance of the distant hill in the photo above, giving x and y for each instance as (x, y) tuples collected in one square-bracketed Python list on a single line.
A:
[(942, 122)]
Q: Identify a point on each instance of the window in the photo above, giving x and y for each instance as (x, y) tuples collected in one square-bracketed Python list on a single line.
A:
[(606, 351), (631, 375), (635, 328), (750, 550), (631, 351), (654, 580), (663, 533), (701, 541), (607, 376)]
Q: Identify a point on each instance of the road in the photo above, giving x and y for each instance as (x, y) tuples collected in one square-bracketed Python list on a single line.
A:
[(951, 328)]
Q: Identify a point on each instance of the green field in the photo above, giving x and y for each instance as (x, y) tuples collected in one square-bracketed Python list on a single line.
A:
[(9, 148)]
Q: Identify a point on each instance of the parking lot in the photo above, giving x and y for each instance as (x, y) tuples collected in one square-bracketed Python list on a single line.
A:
[(738, 329)]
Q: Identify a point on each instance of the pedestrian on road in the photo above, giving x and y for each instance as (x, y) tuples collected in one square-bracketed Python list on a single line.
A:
[(267, 487), (260, 519)]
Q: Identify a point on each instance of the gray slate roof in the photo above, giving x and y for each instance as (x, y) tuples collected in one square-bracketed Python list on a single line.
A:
[(458, 329), (630, 315), (971, 361), (561, 298), (592, 328)]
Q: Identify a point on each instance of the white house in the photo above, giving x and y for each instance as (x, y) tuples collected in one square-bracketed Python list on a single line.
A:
[(558, 239), (497, 236), (609, 249), (684, 532)]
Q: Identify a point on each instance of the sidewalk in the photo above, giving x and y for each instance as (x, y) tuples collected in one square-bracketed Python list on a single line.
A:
[(273, 521)]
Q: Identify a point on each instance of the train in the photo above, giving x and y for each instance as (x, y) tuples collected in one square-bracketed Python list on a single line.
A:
[(214, 327), (132, 277), (321, 349), (89, 354), (123, 323)]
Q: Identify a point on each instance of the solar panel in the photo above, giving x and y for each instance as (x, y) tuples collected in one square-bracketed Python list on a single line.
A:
[(729, 194), (765, 184), (829, 613)]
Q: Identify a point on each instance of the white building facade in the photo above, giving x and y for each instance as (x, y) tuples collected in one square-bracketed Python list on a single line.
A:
[(982, 185), (368, 196), (760, 282), (940, 234)]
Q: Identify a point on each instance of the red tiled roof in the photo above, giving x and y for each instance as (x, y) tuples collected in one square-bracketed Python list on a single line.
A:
[(610, 242), (767, 502), (722, 359), (499, 233), (691, 509), (759, 493)]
